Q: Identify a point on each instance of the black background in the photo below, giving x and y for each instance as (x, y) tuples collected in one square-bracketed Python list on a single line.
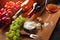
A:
[(56, 33)]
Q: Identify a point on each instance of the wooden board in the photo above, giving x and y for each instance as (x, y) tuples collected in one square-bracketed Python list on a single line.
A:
[(46, 32)]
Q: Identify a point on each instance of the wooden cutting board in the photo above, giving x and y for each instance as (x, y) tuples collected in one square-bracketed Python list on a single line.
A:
[(46, 31)]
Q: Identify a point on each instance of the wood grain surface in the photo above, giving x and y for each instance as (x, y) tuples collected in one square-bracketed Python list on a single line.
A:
[(46, 32)]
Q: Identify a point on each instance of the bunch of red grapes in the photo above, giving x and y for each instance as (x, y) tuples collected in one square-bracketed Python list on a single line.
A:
[(4, 17), (12, 7), (8, 11)]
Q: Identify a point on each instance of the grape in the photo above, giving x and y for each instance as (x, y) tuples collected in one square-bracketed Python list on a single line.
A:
[(15, 28), (6, 20), (7, 15), (17, 33), (11, 28), (17, 6), (10, 35), (3, 19), (1, 15), (3, 10), (12, 7), (14, 38), (7, 33), (10, 13), (19, 2), (7, 39)]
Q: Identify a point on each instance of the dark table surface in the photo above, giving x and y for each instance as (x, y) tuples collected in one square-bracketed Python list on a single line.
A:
[(56, 33)]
